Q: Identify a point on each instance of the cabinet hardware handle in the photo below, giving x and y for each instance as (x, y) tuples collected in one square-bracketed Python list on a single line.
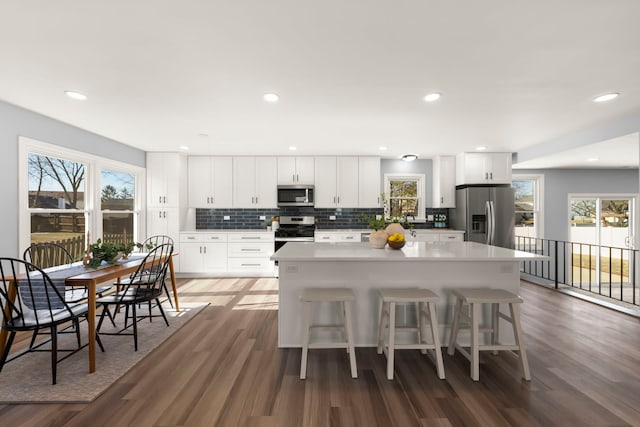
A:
[(491, 175), (250, 237), (293, 177), (349, 238), (256, 200), (250, 265), (159, 214), (297, 178), (205, 249), (159, 199), (207, 200), (164, 214), (214, 238), (164, 199), (250, 250), (451, 237), (338, 199), (441, 199), (486, 175), (334, 200), (191, 238), (200, 249)]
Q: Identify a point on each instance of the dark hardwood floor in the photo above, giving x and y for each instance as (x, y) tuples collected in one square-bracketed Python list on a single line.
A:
[(224, 368)]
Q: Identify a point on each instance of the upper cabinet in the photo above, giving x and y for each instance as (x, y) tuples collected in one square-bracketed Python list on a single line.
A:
[(210, 182), (163, 179), (254, 182), (336, 182), (369, 182), (296, 170), (444, 182), (483, 168)]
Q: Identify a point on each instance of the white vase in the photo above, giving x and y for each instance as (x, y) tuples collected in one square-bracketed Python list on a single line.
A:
[(378, 239)]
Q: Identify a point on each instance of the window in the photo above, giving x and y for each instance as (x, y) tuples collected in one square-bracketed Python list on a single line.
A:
[(67, 194), (405, 196), (56, 201), (117, 202), (528, 201)]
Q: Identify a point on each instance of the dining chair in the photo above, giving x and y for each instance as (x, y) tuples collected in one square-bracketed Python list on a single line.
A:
[(155, 241), (38, 304), (48, 254), (144, 285)]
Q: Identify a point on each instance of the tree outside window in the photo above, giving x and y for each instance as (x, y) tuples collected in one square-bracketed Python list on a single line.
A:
[(117, 201)]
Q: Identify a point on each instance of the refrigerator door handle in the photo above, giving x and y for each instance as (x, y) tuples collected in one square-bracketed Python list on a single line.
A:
[(487, 211), (493, 222)]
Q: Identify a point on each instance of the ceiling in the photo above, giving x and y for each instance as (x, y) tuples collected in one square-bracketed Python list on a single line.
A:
[(350, 75)]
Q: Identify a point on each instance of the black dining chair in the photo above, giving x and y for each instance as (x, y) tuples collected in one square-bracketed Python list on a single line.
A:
[(153, 242), (144, 285), (39, 304)]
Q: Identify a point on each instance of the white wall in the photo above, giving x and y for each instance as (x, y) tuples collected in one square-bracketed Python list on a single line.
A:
[(15, 122)]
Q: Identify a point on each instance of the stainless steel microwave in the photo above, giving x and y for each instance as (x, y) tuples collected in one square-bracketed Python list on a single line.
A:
[(295, 195)]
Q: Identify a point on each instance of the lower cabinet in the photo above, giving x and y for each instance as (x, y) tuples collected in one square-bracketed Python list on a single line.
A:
[(430, 236), (227, 253), (337, 236)]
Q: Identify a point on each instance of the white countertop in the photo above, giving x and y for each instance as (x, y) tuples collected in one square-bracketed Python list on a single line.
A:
[(361, 230), (235, 230), (415, 251)]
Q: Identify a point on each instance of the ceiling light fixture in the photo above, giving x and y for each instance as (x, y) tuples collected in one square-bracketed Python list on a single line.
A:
[(382, 148), (271, 97), (592, 159), (75, 95), (184, 148), (481, 148), (292, 148), (606, 97), (409, 157), (432, 97)]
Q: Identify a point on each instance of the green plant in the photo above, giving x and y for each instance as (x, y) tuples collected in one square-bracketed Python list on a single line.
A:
[(108, 251)]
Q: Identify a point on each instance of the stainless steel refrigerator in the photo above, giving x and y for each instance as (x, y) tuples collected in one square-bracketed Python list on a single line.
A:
[(486, 214)]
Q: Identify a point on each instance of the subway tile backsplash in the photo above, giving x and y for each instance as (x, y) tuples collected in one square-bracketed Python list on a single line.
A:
[(249, 219)]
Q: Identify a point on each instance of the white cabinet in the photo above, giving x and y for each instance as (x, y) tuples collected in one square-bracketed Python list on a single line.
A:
[(369, 182), (337, 236), (163, 179), (163, 221), (483, 168), (296, 170), (203, 252), (254, 182), (444, 182), (249, 252), (451, 237), (434, 236), (210, 182), (336, 182)]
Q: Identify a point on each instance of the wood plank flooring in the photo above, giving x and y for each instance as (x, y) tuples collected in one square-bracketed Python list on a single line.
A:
[(224, 369)]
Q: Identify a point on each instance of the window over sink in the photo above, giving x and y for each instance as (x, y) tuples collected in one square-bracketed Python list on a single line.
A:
[(405, 196)]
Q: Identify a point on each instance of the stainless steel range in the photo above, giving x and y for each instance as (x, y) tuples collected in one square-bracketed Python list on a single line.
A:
[(295, 229)]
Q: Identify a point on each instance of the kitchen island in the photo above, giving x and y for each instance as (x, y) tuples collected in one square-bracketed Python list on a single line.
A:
[(439, 266)]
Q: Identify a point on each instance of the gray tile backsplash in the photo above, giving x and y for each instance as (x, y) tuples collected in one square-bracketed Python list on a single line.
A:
[(213, 219)]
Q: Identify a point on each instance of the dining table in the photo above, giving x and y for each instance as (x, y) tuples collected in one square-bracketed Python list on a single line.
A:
[(90, 278)]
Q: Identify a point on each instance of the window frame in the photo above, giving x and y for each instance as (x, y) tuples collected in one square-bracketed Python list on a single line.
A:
[(420, 178), (92, 205), (538, 200)]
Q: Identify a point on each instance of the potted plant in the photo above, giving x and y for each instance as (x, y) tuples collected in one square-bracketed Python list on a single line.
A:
[(378, 237), (109, 252)]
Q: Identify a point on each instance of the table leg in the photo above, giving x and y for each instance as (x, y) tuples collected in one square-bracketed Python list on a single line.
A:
[(11, 294), (173, 283), (91, 328)]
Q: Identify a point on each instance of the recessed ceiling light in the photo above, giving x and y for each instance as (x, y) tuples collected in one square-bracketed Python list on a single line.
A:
[(271, 97), (382, 148), (481, 148), (606, 97), (184, 147), (203, 135), (592, 159), (292, 148), (75, 95), (432, 97), (409, 157)]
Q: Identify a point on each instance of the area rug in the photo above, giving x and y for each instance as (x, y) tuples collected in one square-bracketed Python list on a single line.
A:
[(27, 379)]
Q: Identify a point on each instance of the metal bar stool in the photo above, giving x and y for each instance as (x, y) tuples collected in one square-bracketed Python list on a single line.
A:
[(342, 296), (474, 298), (426, 303)]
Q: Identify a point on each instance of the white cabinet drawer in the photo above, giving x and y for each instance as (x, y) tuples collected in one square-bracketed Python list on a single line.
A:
[(349, 237), (250, 249), (426, 237), (203, 237), (259, 236), (451, 237), (250, 264), (325, 237)]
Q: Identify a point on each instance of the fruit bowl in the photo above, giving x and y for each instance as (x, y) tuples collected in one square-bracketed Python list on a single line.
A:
[(396, 244)]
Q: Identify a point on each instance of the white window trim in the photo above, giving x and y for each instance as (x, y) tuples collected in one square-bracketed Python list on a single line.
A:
[(92, 206), (538, 208), (599, 196), (422, 203)]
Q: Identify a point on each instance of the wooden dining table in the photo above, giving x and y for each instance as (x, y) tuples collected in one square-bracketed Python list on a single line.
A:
[(91, 279)]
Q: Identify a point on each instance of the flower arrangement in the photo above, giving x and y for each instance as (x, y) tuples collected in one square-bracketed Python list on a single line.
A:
[(109, 251)]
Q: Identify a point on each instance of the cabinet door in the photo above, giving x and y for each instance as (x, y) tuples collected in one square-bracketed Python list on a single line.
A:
[(325, 178), (266, 182), (347, 182), (244, 182), (222, 182), (444, 182), (451, 237), (305, 168), (200, 191), (214, 257), (324, 237), (287, 170), (156, 180), (499, 167), (191, 257), (156, 221), (369, 182), (172, 173)]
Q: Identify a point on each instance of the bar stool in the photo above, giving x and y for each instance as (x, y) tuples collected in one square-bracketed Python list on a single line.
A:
[(344, 297), (426, 303), (474, 298)]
